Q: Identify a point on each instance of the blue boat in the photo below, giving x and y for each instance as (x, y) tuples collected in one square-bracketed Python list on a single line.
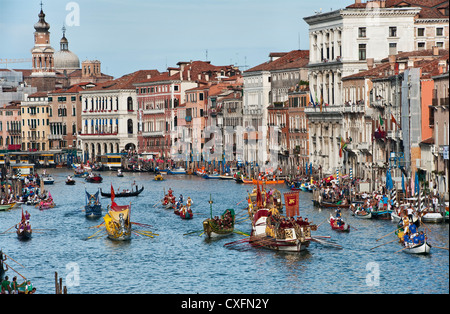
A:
[(93, 207), (177, 171)]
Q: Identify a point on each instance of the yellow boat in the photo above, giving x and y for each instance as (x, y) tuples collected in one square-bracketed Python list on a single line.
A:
[(159, 177), (117, 222), (6, 207)]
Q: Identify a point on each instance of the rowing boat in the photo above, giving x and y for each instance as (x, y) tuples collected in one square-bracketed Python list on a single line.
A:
[(219, 227), (422, 248), (333, 205), (93, 207), (6, 207), (268, 234), (123, 194), (267, 181), (117, 222), (336, 225)]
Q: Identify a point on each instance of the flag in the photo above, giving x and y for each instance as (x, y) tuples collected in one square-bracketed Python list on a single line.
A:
[(416, 184), (291, 200), (343, 145), (321, 102), (389, 182), (113, 195), (394, 121), (403, 184), (311, 99), (259, 202), (381, 121), (23, 217)]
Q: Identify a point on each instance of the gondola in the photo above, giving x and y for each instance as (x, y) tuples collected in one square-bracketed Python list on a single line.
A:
[(24, 234), (124, 194), (333, 205), (70, 182), (186, 214)]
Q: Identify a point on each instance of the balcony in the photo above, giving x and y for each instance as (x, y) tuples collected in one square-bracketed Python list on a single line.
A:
[(364, 147), (379, 103), (153, 111), (395, 135), (55, 136), (153, 134)]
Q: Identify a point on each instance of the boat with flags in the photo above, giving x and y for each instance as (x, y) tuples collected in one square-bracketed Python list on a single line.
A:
[(23, 227), (117, 220), (93, 207), (273, 231)]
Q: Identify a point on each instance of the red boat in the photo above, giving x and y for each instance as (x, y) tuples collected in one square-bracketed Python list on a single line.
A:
[(339, 224), (94, 178), (186, 213)]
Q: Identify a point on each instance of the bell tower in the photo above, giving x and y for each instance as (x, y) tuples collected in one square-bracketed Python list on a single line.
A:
[(43, 73)]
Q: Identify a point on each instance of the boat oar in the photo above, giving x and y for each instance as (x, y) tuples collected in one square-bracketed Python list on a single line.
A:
[(383, 244), (15, 271), (388, 234), (192, 232), (241, 233), (95, 234), (401, 249), (322, 223), (13, 260), (8, 230)]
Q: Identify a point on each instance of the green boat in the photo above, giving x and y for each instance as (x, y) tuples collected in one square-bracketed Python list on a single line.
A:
[(6, 207), (217, 227)]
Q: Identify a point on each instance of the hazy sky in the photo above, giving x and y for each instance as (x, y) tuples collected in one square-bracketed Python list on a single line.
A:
[(135, 34)]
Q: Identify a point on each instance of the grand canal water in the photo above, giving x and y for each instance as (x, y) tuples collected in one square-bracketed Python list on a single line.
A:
[(175, 263)]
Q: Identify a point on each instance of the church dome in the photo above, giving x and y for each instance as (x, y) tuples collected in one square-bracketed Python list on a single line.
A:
[(66, 60)]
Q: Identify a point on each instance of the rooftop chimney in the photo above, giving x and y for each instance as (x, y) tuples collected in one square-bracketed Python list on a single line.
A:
[(392, 60), (435, 50), (370, 62)]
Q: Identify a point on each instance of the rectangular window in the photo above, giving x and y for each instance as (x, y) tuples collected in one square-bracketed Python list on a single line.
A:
[(393, 31), (362, 52), (362, 32), (420, 46), (420, 32), (440, 44), (392, 48), (439, 31)]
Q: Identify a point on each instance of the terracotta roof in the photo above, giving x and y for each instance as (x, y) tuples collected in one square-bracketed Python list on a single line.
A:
[(72, 89), (126, 81), (38, 94), (430, 8), (193, 71), (290, 60)]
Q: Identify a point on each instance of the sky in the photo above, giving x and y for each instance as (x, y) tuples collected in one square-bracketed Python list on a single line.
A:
[(131, 35)]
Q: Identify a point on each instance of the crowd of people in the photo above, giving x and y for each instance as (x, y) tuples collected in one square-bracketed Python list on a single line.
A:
[(14, 287)]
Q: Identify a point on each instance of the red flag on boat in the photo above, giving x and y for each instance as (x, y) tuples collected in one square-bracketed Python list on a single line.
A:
[(112, 194), (259, 202), (291, 200), (23, 216)]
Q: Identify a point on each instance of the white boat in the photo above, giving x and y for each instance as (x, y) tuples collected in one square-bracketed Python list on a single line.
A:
[(226, 176), (423, 248), (177, 171), (48, 180), (432, 217), (362, 214)]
